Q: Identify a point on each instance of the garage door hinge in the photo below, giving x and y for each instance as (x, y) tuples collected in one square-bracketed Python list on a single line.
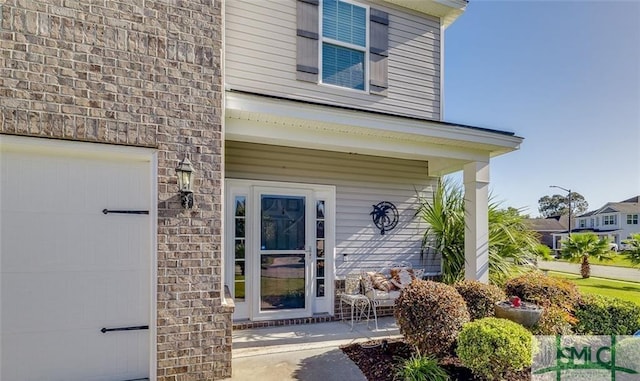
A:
[(107, 211), (134, 328)]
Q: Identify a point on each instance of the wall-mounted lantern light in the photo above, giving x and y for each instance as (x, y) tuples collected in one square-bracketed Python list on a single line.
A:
[(185, 172)]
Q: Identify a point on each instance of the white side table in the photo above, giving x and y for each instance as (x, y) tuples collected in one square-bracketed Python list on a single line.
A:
[(360, 307)]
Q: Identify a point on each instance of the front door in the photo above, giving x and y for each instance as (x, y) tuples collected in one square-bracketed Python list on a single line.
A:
[(283, 253), (279, 249)]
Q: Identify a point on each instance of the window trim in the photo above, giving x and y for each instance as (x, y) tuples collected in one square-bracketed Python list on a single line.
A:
[(609, 220), (365, 49), (632, 219)]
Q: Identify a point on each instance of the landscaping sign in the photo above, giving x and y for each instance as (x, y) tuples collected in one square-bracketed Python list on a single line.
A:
[(586, 358)]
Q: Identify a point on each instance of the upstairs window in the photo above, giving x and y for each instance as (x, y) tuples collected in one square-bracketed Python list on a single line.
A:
[(583, 223), (344, 44), (608, 220), (632, 219)]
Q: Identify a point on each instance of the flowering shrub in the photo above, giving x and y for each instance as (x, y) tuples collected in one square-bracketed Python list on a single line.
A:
[(554, 321), (545, 291), (430, 315), (480, 297)]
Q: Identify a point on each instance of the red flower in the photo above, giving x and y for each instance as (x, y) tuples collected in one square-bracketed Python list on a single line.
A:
[(515, 301)]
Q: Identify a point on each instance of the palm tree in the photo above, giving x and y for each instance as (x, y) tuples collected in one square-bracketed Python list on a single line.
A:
[(579, 247), (445, 234), (632, 249), (511, 243)]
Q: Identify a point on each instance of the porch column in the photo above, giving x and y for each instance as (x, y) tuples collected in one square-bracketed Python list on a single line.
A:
[(476, 234)]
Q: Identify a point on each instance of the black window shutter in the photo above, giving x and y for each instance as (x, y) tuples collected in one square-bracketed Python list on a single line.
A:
[(378, 51), (307, 40)]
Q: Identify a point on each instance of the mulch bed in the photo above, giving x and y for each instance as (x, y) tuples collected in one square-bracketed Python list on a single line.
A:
[(378, 360)]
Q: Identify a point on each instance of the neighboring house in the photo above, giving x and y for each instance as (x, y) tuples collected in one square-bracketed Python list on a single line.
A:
[(305, 116), (615, 221), (547, 227)]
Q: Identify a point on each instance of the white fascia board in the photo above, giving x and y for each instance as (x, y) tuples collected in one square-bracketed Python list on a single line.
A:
[(342, 141), (447, 10), (284, 112)]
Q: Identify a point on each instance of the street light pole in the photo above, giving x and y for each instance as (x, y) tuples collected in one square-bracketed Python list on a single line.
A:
[(569, 198)]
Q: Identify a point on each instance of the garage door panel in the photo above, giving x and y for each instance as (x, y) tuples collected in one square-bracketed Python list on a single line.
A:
[(67, 270), (59, 301), (74, 242), (119, 185), (78, 360)]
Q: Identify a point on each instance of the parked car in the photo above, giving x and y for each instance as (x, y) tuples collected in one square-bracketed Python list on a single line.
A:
[(626, 244)]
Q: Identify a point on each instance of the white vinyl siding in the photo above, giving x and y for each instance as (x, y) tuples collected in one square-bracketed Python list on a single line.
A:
[(261, 58), (361, 182)]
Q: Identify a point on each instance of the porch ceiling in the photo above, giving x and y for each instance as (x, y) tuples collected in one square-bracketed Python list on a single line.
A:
[(447, 147)]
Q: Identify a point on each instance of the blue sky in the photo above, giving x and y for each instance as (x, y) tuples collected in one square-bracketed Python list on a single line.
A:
[(563, 75)]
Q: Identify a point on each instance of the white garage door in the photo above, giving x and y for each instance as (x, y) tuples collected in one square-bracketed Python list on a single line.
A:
[(67, 270)]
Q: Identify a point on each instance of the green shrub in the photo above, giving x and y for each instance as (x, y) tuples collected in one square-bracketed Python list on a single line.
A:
[(494, 348), (605, 315), (554, 321), (535, 287), (481, 298), (420, 368), (543, 252), (430, 315)]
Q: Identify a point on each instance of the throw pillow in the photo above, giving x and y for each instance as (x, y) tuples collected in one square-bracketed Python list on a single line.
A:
[(367, 284), (402, 277), (381, 282)]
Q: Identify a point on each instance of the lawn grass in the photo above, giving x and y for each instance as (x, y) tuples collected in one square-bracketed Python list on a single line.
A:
[(599, 286), (619, 260)]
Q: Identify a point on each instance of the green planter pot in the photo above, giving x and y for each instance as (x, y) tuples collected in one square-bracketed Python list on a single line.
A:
[(527, 314)]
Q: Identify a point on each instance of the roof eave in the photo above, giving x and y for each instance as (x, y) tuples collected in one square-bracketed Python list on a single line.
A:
[(447, 10), (447, 146)]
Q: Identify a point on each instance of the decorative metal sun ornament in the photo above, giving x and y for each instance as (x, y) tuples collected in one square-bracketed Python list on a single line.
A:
[(385, 216)]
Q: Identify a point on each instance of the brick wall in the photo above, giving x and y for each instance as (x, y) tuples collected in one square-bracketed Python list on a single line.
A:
[(142, 73)]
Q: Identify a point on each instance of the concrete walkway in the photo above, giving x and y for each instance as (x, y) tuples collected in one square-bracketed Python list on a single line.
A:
[(308, 352), (610, 272)]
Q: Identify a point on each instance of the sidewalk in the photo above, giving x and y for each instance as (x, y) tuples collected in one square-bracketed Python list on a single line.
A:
[(308, 352), (610, 272)]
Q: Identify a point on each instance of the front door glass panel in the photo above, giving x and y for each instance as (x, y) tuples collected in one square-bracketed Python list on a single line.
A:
[(282, 281), (283, 257), (282, 223)]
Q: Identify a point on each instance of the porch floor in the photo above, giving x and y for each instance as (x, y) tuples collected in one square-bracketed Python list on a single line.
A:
[(308, 336), (307, 352)]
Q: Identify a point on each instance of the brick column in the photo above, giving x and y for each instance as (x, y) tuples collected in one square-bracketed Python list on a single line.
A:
[(138, 73)]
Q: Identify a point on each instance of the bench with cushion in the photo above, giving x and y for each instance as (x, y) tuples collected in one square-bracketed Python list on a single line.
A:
[(383, 287)]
